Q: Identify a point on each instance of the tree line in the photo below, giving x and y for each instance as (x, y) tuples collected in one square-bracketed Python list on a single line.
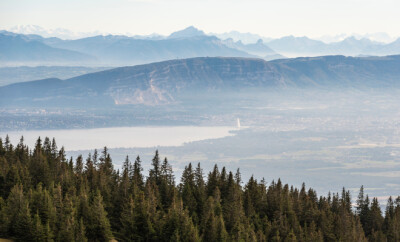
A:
[(46, 197)]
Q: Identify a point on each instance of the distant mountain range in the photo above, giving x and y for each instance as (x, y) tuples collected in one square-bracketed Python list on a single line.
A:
[(111, 50), (9, 75), (19, 49), (257, 49), (47, 33), (303, 46), (169, 81), (245, 38), (119, 50)]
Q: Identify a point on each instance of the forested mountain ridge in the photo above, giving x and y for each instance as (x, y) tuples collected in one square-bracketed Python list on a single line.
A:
[(46, 197), (164, 82)]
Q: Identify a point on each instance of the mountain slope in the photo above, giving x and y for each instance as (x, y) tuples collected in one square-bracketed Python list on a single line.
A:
[(246, 38), (119, 50), (390, 48), (291, 45), (165, 82), (9, 75), (122, 50), (113, 50), (351, 46), (258, 48), (186, 33), (20, 49)]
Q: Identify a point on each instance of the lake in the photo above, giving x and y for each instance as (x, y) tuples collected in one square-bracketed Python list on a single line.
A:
[(122, 137)]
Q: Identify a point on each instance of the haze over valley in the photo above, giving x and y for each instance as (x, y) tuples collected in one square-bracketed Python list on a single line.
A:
[(190, 121), (329, 121)]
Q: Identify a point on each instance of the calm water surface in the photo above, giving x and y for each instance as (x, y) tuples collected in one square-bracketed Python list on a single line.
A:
[(122, 137)]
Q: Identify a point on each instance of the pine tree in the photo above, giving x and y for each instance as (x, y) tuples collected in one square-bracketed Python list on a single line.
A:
[(213, 181), (137, 174), (392, 220), (232, 206), (155, 172), (38, 233), (178, 224), (291, 237), (105, 166), (199, 192), (125, 180), (98, 226), (135, 221), (376, 215), (188, 190), (90, 172), (68, 221), (39, 202), (19, 217), (213, 227), (4, 223), (80, 234), (79, 165), (167, 184), (48, 233)]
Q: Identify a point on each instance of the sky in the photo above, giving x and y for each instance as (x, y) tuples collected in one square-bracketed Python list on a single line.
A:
[(269, 18)]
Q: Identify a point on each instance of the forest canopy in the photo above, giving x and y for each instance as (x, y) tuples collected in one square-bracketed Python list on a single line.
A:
[(46, 197)]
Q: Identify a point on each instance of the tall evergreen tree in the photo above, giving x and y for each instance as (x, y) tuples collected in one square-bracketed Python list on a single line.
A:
[(45, 197), (155, 171), (135, 221), (98, 227), (19, 216), (137, 176)]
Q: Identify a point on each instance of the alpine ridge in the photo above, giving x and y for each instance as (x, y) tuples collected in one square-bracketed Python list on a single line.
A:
[(167, 81)]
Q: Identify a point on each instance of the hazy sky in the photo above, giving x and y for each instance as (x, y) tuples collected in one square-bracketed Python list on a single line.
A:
[(270, 18)]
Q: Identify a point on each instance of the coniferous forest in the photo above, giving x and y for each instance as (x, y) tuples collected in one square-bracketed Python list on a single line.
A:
[(44, 196)]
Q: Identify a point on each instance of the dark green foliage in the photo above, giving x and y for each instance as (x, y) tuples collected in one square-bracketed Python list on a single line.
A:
[(213, 227), (137, 177), (19, 221), (135, 220), (98, 227), (45, 197), (177, 225)]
